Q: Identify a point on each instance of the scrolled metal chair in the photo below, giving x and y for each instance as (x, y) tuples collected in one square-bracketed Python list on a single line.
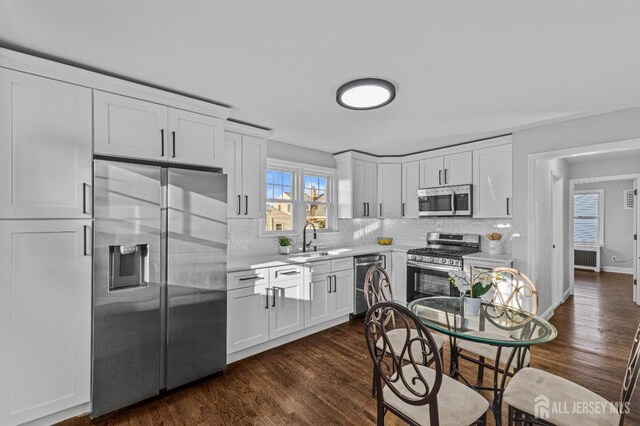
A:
[(531, 392), (378, 289), (511, 289), (417, 394)]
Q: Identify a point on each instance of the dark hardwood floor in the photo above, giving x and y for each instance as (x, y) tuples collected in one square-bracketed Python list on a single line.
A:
[(326, 378)]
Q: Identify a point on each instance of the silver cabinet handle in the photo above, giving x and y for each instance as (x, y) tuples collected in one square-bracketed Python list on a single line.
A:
[(275, 289), (87, 236), (239, 204), (290, 273), (368, 210), (364, 209), (445, 176), (453, 203), (161, 142), (253, 278), (173, 135), (335, 288), (508, 207), (84, 198), (246, 205), (329, 284), (380, 209), (439, 177), (266, 303), (403, 213)]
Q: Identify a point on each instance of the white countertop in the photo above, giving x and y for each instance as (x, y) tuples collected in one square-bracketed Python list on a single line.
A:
[(241, 263), (487, 257)]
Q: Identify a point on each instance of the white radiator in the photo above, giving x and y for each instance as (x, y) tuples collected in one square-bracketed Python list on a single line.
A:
[(587, 257)]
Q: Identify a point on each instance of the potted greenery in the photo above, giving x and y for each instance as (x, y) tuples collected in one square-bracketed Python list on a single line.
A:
[(471, 293), (285, 244)]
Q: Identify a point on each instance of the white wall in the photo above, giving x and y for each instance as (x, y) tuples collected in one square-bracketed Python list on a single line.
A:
[(609, 127), (618, 223), (299, 154), (627, 165)]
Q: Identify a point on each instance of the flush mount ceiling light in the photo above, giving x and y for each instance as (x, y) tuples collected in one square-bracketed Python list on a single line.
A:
[(366, 93)]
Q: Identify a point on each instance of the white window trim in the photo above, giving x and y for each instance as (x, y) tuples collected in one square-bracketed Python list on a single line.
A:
[(600, 193), (299, 217)]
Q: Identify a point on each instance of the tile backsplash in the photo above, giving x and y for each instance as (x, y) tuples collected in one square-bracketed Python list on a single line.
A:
[(244, 240)]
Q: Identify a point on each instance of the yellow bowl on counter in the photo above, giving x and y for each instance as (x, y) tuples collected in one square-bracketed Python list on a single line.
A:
[(384, 241)]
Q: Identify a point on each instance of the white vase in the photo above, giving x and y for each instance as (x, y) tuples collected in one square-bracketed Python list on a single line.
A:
[(285, 249), (495, 246), (472, 306)]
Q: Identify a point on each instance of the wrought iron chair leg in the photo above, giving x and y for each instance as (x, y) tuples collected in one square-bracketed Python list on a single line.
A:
[(373, 384), (481, 369), (381, 412)]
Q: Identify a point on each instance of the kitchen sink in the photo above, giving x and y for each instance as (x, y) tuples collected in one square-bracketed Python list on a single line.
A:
[(311, 254)]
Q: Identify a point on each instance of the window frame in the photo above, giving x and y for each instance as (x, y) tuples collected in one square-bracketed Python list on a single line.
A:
[(292, 202), (600, 193), (298, 205)]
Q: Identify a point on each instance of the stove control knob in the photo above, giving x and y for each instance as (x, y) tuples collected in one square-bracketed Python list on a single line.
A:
[(452, 262), (443, 260), (430, 259)]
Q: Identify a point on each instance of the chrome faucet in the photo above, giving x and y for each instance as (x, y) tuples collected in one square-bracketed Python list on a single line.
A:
[(306, 245)]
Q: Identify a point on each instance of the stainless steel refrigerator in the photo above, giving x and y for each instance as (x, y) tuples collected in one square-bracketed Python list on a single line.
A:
[(159, 291)]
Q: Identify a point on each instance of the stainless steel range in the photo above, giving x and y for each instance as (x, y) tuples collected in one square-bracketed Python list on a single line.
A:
[(428, 267)]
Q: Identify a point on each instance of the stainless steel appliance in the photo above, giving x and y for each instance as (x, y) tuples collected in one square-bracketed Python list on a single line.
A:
[(159, 290), (362, 266), (445, 201), (428, 267)]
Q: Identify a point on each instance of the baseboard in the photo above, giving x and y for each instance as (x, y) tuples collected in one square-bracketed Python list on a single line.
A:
[(548, 313), (566, 294), (253, 350), (61, 415), (617, 270), (588, 268)]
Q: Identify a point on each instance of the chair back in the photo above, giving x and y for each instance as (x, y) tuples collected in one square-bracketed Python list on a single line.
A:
[(513, 289), (377, 286), (630, 376), (396, 365)]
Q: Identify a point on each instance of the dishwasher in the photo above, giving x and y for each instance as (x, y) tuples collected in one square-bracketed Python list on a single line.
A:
[(362, 265)]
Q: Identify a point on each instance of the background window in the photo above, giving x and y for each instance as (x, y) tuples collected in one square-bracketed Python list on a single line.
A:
[(280, 200), (587, 221), (315, 199)]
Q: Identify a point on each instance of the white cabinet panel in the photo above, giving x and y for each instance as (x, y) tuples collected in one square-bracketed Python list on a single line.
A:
[(343, 289), (431, 171), (457, 169), (410, 186), (342, 264), (318, 298), (45, 317), (286, 308), (359, 197), (399, 276), (129, 127), (389, 190), (254, 163), (369, 188), (45, 147), (247, 317), (195, 138), (492, 182)]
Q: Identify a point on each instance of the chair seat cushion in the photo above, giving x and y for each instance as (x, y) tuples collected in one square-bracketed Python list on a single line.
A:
[(490, 351), (567, 402), (457, 404), (397, 339)]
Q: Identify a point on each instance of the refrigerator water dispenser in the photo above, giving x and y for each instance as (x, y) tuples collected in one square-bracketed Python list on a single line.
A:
[(128, 266)]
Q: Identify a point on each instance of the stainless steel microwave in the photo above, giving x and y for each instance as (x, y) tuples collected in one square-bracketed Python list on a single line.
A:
[(445, 201)]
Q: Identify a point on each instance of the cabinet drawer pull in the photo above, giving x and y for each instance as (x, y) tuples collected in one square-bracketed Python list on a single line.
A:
[(161, 142), (253, 278), (290, 273), (173, 135)]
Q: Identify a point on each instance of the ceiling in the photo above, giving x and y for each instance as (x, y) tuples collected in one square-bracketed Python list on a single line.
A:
[(464, 69)]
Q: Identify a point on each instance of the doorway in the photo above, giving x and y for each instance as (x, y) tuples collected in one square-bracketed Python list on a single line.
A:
[(557, 232)]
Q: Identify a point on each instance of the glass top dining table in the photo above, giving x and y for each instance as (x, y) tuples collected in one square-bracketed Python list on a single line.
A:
[(494, 324)]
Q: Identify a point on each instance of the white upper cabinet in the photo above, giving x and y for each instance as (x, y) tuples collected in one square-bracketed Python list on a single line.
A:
[(245, 165), (195, 138), (453, 169), (410, 186), (389, 198), (45, 318), (492, 182), (129, 127), (135, 128), (357, 187), (45, 148)]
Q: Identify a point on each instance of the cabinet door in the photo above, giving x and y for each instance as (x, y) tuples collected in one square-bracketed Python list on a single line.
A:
[(390, 190), (247, 317), (129, 127), (286, 310), (399, 274), (45, 318), (457, 169), (45, 148), (492, 182), (232, 167), (254, 164), (371, 188), (318, 298), (343, 289), (358, 189), (195, 138), (431, 171), (410, 186)]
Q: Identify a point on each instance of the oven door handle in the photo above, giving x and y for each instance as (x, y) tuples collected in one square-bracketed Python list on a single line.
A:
[(432, 267)]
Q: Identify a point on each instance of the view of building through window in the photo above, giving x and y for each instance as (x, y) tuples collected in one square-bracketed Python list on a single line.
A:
[(315, 198), (586, 217), (280, 199)]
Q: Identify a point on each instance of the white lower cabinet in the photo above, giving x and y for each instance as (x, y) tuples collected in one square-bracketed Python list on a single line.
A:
[(247, 317), (286, 308), (45, 318), (342, 293), (318, 297)]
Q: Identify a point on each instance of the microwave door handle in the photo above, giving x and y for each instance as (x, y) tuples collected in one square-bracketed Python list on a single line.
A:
[(453, 202)]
